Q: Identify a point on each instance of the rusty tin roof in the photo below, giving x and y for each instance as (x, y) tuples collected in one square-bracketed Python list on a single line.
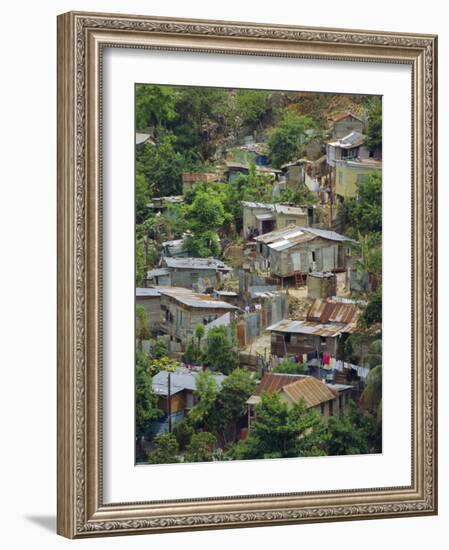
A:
[(312, 390)]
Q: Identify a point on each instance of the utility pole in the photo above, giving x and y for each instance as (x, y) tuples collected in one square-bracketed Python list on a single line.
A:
[(169, 401)]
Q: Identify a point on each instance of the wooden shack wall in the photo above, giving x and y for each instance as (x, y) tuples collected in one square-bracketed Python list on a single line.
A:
[(190, 278), (347, 125), (282, 265), (249, 218), (284, 220), (301, 343), (178, 402), (152, 306), (183, 320)]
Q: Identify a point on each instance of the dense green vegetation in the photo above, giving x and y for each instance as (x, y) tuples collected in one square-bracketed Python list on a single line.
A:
[(197, 130), (288, 139), (192, 129), (146, 400)]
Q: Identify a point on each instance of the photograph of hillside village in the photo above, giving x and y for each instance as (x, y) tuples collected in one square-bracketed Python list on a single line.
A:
[(258, 274)]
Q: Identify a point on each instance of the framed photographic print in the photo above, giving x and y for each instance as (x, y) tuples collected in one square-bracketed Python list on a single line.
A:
[(246, 276)]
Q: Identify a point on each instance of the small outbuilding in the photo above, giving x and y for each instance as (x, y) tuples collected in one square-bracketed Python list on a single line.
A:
[(344, 123), (321, 284), (301, 250), (319, 333), (198, 274)]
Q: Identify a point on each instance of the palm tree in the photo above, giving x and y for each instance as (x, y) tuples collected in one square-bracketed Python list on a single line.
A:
[(371, 398)]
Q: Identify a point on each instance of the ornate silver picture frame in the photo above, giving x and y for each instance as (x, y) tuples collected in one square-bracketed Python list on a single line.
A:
[(82, 39)]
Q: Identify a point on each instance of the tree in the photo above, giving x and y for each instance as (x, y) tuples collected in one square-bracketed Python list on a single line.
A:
[(373, 138), (159, 348), (163, 364), (364, 213), (140, 263), (205, 216), (368, 249), (166, 450), (288, 139), (301, 196), (160, 166), (348, 435), (371, 401), (155, 106), (372, 312), (220, 353), (290, 367), (251, 107), (281, 431), (364, 347), (224, 413), (142, 198), (199, 333), (142, 329), (146, 400), (202, 118), (200, 448), (247, 187), (192, 354), (205, 393), (371, 398), (183, 432), (159, 360)]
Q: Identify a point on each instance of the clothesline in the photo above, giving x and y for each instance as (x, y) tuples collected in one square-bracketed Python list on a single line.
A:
[(327, 362)]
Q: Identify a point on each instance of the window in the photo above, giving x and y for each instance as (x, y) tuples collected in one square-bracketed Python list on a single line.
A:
[(322, 340), (291, 222), (331, 408), (313, 256), (322, 408), (340, 403), (287, 338)]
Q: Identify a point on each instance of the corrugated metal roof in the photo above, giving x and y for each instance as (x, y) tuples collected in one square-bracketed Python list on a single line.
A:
[(175, 242), (147, 292), (344, 114), (309, 327), (332, 311), (293, 235), (290, 210), (142, 138), (262, 217), (263, 205), (284, 244), (321, 274), (158, 272), (327, 234), (278, 234), (361, 163), (196, 263), (294, 163), (222, 321), (353, 139), (263, 291), (182, 379), (230, 165), (194, 299), (312, 390), (339, 387), (274, 382)]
